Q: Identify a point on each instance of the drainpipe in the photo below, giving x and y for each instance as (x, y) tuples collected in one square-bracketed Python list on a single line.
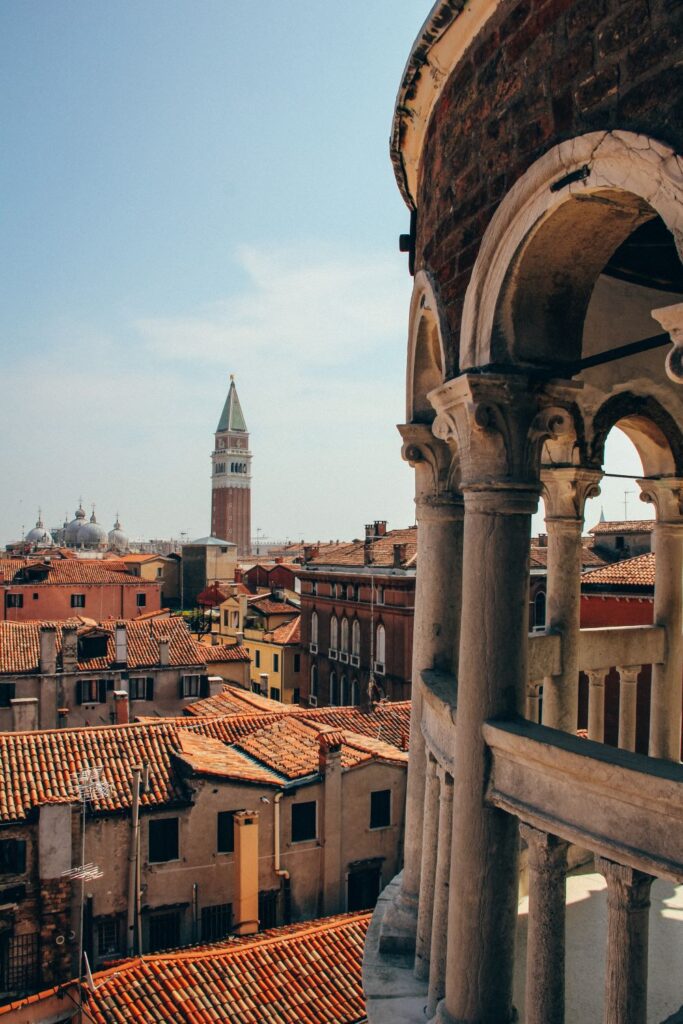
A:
[(281, 872), (133, 863)]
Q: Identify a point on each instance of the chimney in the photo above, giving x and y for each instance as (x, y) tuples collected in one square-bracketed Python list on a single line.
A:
[(368, 555), (215, 685), (246, 872), (121, 639), (239, 574), (48, 650), (369, 531), (69, 649), (400, 553), (121, 711), (380, 527), (543, 540), (311, 551), (24, 714), (330, 754), (164, 652)]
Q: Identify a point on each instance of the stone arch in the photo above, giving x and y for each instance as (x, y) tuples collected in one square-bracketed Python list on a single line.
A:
[(550, 238), (654, 432), (426, 353)]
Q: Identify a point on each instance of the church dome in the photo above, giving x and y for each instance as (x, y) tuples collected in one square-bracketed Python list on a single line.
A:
[(39, 535), (118, 540), (72, 533), (92, 535)]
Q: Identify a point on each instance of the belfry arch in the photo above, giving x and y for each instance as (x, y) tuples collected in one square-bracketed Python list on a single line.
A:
[(426, 355)]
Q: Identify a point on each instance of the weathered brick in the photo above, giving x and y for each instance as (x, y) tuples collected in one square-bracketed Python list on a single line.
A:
[(647, 53), (563, 111), (514, 20), (598, 87), (584, 16), (623, 29)]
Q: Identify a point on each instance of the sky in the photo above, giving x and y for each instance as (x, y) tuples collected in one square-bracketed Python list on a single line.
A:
[(193, 188)]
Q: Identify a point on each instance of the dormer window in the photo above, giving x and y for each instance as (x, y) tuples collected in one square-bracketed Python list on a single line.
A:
[(93, 645)]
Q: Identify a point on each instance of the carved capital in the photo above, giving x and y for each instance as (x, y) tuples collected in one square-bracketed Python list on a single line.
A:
[(545, 852), (666, 494), (500, 424), (566, 489), (627, 888), (671, 319), (435, 464)]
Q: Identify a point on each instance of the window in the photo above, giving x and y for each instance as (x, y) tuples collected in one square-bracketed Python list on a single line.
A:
[(380, 808), (334, 633), (267, 909), (191, 686), (92, 645), (355, 637), (380, 649), (141, 688), (344, 691), (297, 663), (304, 821), (380, 595), (276, 662), (225, 831), (108, 936), (619, 543), (314, 627), (216, 922), (344, 634), (314, 680), (19, 962), (355, 693), (274, 693), (163, 840), (12, 856), (78, 600), (314, 588), (160, 572), (164, 931), (235, 619), (257, 659), (7, 692), (141, 600), (539, 610), (36, 596), (92, 691), (356, 591), (14, 601), (225, 618), (334, 699), (296, 695)]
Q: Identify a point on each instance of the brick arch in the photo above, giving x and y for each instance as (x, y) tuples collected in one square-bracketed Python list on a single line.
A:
[(551, 236), (426, 353), (655, 434)]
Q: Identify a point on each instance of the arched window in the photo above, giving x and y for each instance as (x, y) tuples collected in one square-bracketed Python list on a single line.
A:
[(314, 681), (355, 638), (380, 645), (334, 633), (344, 634), (344, 691), (355, 692), (314, 627), (334, 697), (539, 610)]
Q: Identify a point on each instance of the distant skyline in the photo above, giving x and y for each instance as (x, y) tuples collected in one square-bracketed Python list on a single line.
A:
[(194, 190)]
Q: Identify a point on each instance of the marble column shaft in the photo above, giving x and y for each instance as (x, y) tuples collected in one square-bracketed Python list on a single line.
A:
[(628, 909), (430, 838), (628, 693), (666, 691), (596, 705), (545, 957), (437, 964)]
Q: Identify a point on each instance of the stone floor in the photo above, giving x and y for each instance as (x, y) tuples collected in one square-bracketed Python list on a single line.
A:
[(394, 996)]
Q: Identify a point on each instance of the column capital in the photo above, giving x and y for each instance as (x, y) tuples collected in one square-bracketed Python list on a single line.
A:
[(499, 423), (546, 852), (565, 491), (666, 494), (627, 887), (435, 464), (628, 674), (671, 319)]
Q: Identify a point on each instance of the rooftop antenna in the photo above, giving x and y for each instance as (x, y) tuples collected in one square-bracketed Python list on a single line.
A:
[(626, 495), (89, 784)]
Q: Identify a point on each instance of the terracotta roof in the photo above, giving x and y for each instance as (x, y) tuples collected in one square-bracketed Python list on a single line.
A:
[(211, 596), (389, 721), (307, 973), (623, 526), (10, 566), (76, 570), (208, 756), (382, 551), (538, 556), (39, 767), (222, 652), (268, 606), (287, 633), (233, 701), (138, 557), (20, 643), (631, 572)]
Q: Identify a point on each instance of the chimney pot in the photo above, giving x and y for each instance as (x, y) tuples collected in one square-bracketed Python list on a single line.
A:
[(164, 652), (121, 707)]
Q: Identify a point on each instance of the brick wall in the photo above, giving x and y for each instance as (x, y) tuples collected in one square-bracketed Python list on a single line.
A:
[(540, 72)]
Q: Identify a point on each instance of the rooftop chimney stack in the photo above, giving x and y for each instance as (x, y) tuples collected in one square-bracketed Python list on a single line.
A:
[(121, 707), (164, 652), (246, 872), (368, 554), (380, 527), (400, 554), (69, 649), (48, 650), (311, 551), (121, 640)]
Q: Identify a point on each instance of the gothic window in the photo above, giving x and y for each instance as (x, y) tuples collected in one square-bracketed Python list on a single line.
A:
[(334, 633), (355, 693), (314, 681), (344, 634), (334, 698), (344, 691), (355, 638), (380, 646), (314, 627), (539, 610)]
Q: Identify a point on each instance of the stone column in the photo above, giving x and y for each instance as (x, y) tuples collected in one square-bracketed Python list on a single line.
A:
[(596, 705), (628, 910), (500, 427), (437, 963), (545, 956), (628, 692), (430, 840), (666, 692), (436, 631), (565, 490)]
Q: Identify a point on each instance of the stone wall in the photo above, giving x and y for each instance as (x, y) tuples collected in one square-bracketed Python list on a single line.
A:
[(540, 72)]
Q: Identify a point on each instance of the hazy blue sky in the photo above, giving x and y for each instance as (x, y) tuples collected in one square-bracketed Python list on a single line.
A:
[(192, 189)]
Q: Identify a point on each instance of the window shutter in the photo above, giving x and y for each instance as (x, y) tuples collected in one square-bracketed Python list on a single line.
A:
[(149, 688), (79, 691), (204, 686), (110, 684), (181, 689), (102, 690)]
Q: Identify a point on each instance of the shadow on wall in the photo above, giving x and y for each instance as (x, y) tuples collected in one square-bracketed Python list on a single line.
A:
[(585, 958)]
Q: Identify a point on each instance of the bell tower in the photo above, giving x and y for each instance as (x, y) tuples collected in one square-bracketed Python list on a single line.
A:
[(231, 476)]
